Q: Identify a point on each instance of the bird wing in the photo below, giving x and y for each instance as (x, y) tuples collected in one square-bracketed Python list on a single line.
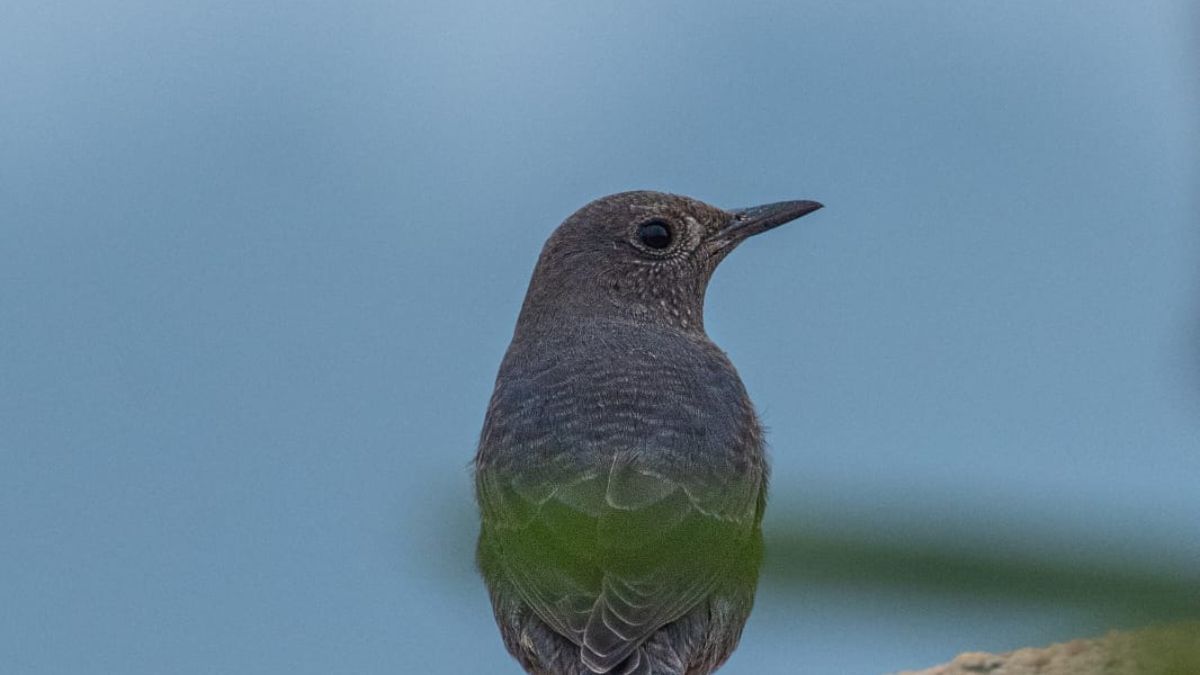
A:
[(608, 555)]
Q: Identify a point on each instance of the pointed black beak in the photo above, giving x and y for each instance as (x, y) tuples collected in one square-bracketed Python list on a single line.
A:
[(748, 222)]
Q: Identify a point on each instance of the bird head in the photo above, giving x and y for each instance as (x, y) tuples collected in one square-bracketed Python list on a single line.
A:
[(645, 256)]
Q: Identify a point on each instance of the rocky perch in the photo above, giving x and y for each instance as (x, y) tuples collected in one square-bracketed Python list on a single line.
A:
[(1162, 650)]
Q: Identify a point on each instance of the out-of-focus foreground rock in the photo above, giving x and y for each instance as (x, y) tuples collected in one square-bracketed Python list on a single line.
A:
[(1161, 650)]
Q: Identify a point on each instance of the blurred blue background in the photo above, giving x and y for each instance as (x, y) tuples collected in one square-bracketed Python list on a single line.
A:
[(261, 262)]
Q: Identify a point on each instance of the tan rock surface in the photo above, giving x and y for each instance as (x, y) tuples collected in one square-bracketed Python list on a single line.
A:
[(1162, 650)]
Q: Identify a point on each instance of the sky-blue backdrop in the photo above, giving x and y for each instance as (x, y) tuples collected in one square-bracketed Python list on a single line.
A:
[(261, 260)]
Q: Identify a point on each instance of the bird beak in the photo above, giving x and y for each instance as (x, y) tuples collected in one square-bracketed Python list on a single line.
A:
[(748, 222)]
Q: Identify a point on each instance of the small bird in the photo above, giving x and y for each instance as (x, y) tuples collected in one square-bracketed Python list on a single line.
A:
[(620, 473)]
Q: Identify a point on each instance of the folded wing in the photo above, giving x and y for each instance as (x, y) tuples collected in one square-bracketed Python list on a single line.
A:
[(608, 555)]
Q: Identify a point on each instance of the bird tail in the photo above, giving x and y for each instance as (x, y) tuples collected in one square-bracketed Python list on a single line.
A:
[(638, 663), (642, 662)]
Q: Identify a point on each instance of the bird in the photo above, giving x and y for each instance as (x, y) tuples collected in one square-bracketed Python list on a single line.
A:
[(620, 473)]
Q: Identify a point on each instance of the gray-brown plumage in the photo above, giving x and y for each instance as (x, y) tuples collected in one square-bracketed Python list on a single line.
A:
[(620, 473)]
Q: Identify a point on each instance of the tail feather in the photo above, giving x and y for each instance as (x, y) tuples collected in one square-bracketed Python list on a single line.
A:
[(636, 664), (641, 662)]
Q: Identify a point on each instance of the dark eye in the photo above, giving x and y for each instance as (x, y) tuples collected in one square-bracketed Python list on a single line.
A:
[(655, 234)]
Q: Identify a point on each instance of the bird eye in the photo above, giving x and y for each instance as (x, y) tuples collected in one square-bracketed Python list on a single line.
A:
[(655, 234)]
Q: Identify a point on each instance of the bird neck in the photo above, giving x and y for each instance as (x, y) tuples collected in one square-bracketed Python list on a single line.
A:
[(673, 304), (541, 314)]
